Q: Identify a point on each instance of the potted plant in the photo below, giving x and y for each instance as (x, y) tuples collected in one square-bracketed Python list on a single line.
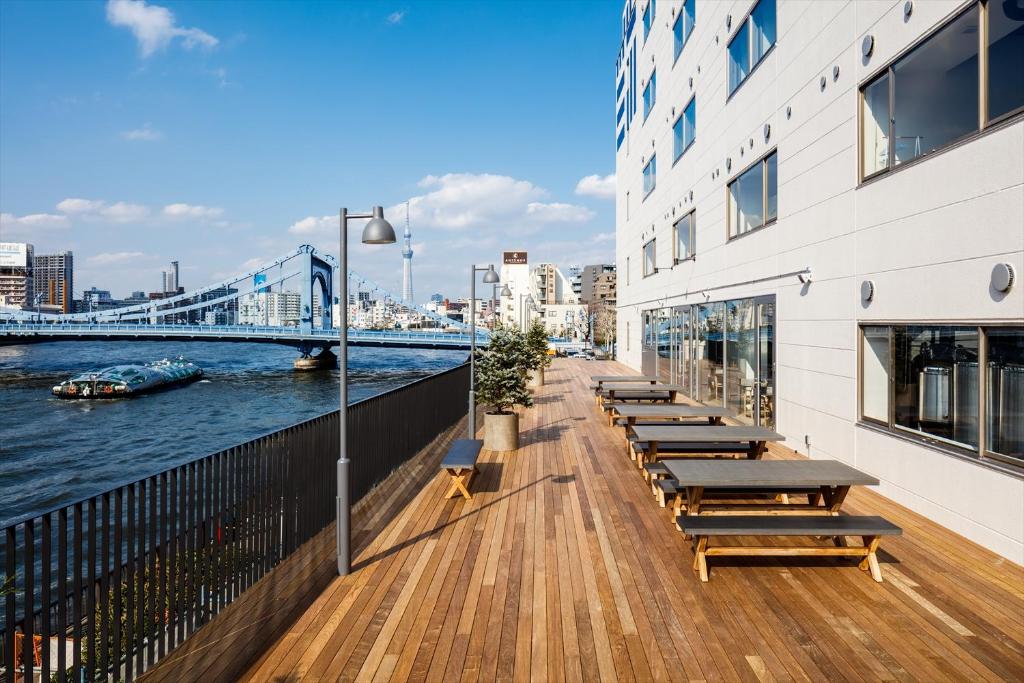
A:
[(537, 342), (501, 384)]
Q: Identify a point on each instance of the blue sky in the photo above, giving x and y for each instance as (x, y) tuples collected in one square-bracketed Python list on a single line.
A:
[(225, 134)]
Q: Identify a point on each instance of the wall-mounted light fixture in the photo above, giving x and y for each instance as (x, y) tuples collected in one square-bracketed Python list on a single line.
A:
[(804, 276), (867, 291), (867, 46)]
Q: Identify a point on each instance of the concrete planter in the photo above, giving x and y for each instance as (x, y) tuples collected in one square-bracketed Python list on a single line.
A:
[(501, 431), (535, 378)]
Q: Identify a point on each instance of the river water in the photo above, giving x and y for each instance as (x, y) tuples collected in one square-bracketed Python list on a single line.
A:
[(53, 451)]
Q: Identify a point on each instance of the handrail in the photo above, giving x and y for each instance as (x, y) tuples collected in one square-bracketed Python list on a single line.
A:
[(128, 574)]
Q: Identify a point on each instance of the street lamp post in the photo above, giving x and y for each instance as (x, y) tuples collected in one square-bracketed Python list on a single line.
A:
[(490, 278), (376, 231)]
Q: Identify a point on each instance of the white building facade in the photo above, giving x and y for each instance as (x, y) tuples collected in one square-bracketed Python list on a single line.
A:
[(820, 215)]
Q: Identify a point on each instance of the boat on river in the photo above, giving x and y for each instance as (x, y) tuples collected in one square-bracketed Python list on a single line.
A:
[(120, 381)]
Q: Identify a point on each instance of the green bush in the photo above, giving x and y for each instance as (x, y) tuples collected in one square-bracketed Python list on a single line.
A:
[(537, 343), (501, 371)]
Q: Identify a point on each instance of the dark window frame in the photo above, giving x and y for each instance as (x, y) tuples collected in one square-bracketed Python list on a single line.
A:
[(985, 122), (654, 176), (686, 36), (752, 66), (654, 257), (692, 215), (981, 454), (764, 196), (682, 113)]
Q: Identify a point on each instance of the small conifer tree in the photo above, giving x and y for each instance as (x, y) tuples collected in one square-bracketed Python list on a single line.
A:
[(537, 341), (500, 371)]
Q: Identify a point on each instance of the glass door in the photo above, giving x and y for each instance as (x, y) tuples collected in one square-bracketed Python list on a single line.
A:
[(765, 401)]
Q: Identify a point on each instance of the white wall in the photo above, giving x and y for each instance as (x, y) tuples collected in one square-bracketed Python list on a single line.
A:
[(927, 235)]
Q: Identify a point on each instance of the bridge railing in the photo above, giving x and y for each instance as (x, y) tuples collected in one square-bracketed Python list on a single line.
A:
[(104, 588), (143, 329)]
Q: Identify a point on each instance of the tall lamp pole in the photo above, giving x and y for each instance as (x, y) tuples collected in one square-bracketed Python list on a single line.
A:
[(490, 278), (376, 231)]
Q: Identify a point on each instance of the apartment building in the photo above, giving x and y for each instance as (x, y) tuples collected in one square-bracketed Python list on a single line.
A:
[(820, 226), (16, 282), (54, 278)]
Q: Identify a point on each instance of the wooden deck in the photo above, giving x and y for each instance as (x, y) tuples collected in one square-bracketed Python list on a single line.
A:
[(563, 567)]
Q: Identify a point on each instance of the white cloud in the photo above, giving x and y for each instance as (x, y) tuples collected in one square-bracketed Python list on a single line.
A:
[(98, 209), (604, 237), (154, 27), (311, 225), (459, 201), (396, 17), (145, 134), (11, 225), (597, 186), (558, 212), (192, 211), (74, 206), (114, 257)]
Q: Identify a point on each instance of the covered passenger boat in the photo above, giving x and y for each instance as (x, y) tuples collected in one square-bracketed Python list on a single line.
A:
[(129, 380)]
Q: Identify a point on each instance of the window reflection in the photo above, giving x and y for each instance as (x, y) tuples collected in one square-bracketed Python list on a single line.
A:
[(710, 348), (936, 94), (741, 355), (936, 381), (875, 126), (1005, 401), (1005, 57), (739, 58)]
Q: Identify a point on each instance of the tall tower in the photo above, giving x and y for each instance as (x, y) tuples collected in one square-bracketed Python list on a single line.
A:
[(407, 259)]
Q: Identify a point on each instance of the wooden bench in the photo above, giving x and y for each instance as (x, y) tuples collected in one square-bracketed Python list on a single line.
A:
[(460, 464), (670, 489), (870, 529)]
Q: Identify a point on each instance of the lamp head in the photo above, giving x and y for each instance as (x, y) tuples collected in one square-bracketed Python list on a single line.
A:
[(378, 230), (505, 291), (805, 276), (490, 277)]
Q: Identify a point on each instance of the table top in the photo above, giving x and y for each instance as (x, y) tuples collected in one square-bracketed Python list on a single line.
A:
[(639, 386), (622, 378), (705, 433), (669, 410), (782, 473)]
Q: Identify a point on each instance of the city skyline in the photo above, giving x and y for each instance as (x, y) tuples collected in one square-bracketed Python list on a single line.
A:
[(120, 84)]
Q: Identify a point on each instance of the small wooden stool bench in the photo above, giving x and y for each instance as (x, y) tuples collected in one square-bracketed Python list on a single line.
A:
[(460, 464), (870, 529)]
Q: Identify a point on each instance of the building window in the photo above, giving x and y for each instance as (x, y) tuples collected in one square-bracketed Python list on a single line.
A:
[(650, 93), (685, 129), (682, 28), (1005, 56), (620, 112), (648, 19), (685, 232), (620, 138), (650, 264), (926, 380), (618, 88), (650, 175), (753, 196), (935, 95), (753, 40)]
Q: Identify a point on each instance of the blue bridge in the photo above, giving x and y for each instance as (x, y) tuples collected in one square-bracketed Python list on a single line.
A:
[(34, 332), (305, 271)]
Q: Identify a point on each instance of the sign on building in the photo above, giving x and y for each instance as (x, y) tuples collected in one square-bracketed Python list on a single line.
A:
[(515, 258), (13, 255)]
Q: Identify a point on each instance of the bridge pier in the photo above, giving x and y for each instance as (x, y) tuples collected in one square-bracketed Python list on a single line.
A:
[(325, 360)]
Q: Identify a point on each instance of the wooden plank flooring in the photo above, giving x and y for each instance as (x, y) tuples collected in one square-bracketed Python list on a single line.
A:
[(563, 567)]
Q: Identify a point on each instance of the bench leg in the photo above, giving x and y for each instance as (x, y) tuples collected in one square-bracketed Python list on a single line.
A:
[(460, 481), (700, 559), (677, 505), (870, 561)]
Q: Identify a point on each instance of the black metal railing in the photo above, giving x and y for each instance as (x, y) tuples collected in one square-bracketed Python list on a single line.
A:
[(116, 581)]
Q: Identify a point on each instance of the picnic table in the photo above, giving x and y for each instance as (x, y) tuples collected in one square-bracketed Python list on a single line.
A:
[(667, 413), (636, 390), (601, 380), (700, 438), (831, 478)]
